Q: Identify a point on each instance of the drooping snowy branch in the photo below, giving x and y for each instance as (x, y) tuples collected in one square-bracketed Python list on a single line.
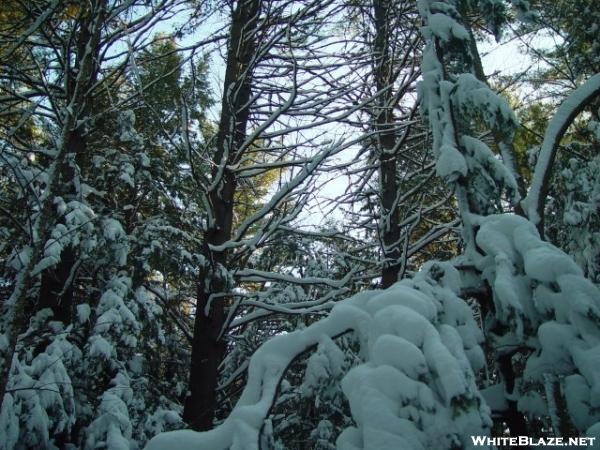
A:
[(563, 118), (423, 321)]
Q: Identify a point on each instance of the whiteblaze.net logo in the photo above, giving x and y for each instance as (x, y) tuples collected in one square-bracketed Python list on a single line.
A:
[(486, 441)]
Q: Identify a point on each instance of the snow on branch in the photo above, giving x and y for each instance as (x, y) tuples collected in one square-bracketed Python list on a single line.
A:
[(241, 429), (280, 196), (416, 387), (581, 97), (543, 303), (260, 275), (303, 307)]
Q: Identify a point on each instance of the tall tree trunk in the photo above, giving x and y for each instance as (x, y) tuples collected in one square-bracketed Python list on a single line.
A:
[(208, 346), (79, 80), (386, 146), (56, 288)]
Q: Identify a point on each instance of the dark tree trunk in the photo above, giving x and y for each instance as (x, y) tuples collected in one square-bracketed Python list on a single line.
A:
[(386, 146), (52, 292), (512, 416), (207, 353), (208, 346), (56, 288)]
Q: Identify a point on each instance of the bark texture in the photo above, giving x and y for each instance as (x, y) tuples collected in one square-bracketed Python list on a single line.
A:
[(208, 347)]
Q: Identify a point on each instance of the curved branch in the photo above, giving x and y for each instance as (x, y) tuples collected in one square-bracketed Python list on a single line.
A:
[(268, 364), (564, 117)]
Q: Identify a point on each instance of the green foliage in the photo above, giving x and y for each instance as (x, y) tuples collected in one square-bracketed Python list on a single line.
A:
[(575, 25)]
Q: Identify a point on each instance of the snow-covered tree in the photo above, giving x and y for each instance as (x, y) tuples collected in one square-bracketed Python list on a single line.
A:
[(418, 385), (273, 111), (78, 326)]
